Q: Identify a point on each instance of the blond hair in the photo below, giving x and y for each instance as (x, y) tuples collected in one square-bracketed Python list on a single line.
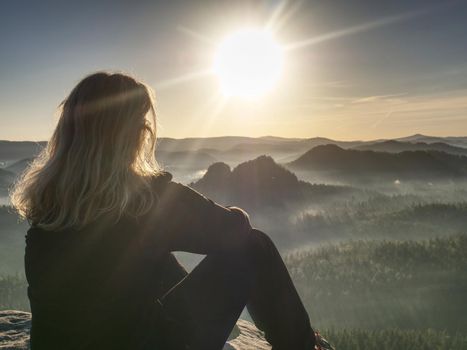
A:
[(100, 158)]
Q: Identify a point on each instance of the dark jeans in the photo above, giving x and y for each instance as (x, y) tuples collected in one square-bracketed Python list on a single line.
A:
[(203, 306)]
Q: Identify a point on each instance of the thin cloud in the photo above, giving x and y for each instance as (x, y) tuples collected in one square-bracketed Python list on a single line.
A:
[(339, 84), (392, 98)]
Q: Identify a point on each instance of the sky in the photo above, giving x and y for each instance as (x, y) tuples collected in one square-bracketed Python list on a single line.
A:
[(353, 69)]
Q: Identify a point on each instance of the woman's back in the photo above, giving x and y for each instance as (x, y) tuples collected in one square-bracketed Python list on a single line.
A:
[(93, 288)]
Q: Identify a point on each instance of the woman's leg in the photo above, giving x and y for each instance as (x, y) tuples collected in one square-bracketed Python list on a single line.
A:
[(274, 304), (205, 305)]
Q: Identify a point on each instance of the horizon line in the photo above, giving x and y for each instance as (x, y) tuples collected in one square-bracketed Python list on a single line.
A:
[(275, 136)]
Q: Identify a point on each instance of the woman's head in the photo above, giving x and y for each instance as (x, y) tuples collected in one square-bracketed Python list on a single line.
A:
[(100, 158)]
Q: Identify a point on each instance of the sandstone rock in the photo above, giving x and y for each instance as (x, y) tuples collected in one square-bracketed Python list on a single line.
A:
[(14, 330), (14, 333), (248, 338)]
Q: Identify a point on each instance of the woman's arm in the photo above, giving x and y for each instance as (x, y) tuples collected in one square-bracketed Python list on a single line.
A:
[(194, 223)]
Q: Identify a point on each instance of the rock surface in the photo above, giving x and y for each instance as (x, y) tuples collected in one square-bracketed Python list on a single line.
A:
[(14, 329), (14, 333), (248, 338)]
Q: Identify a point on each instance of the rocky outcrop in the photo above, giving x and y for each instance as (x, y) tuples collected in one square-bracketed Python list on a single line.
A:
[(14, 330), (14, 333), (246, 336), (253, 185)]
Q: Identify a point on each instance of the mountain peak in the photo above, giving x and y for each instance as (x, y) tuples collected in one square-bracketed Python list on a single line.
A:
[(259, 182)]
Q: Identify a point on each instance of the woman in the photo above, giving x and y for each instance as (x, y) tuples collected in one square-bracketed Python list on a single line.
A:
[(104, 223)]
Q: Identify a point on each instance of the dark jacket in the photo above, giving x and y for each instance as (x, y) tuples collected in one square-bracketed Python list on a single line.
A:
[(96, 288)]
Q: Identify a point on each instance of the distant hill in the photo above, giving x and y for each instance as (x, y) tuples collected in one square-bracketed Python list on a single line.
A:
[(196, 152), (261, 183), (15, 150), (19, 166), (288, 146), (420, 138), (460, 141), (185, 159), (393, 146), (235, 150), (225, 143), (409, 165), (195, 143), (180, 159), (229, 148)]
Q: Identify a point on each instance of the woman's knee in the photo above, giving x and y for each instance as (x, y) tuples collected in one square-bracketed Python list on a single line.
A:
[(258, 240), (252, 241)]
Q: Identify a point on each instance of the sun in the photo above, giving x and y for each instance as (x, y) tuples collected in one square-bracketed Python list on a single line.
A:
[(248, 63)]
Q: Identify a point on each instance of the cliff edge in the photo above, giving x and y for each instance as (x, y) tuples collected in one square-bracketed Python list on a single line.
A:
[(14, 333)]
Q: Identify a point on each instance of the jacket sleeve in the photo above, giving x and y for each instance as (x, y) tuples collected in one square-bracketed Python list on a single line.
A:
[(193, 223)]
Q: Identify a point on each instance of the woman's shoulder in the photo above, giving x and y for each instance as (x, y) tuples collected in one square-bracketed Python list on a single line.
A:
[(169, 190), (163, 177), (166, 188)]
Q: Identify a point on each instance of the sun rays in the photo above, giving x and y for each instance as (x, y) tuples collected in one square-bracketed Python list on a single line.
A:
[(364, 27), (248, 63)]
